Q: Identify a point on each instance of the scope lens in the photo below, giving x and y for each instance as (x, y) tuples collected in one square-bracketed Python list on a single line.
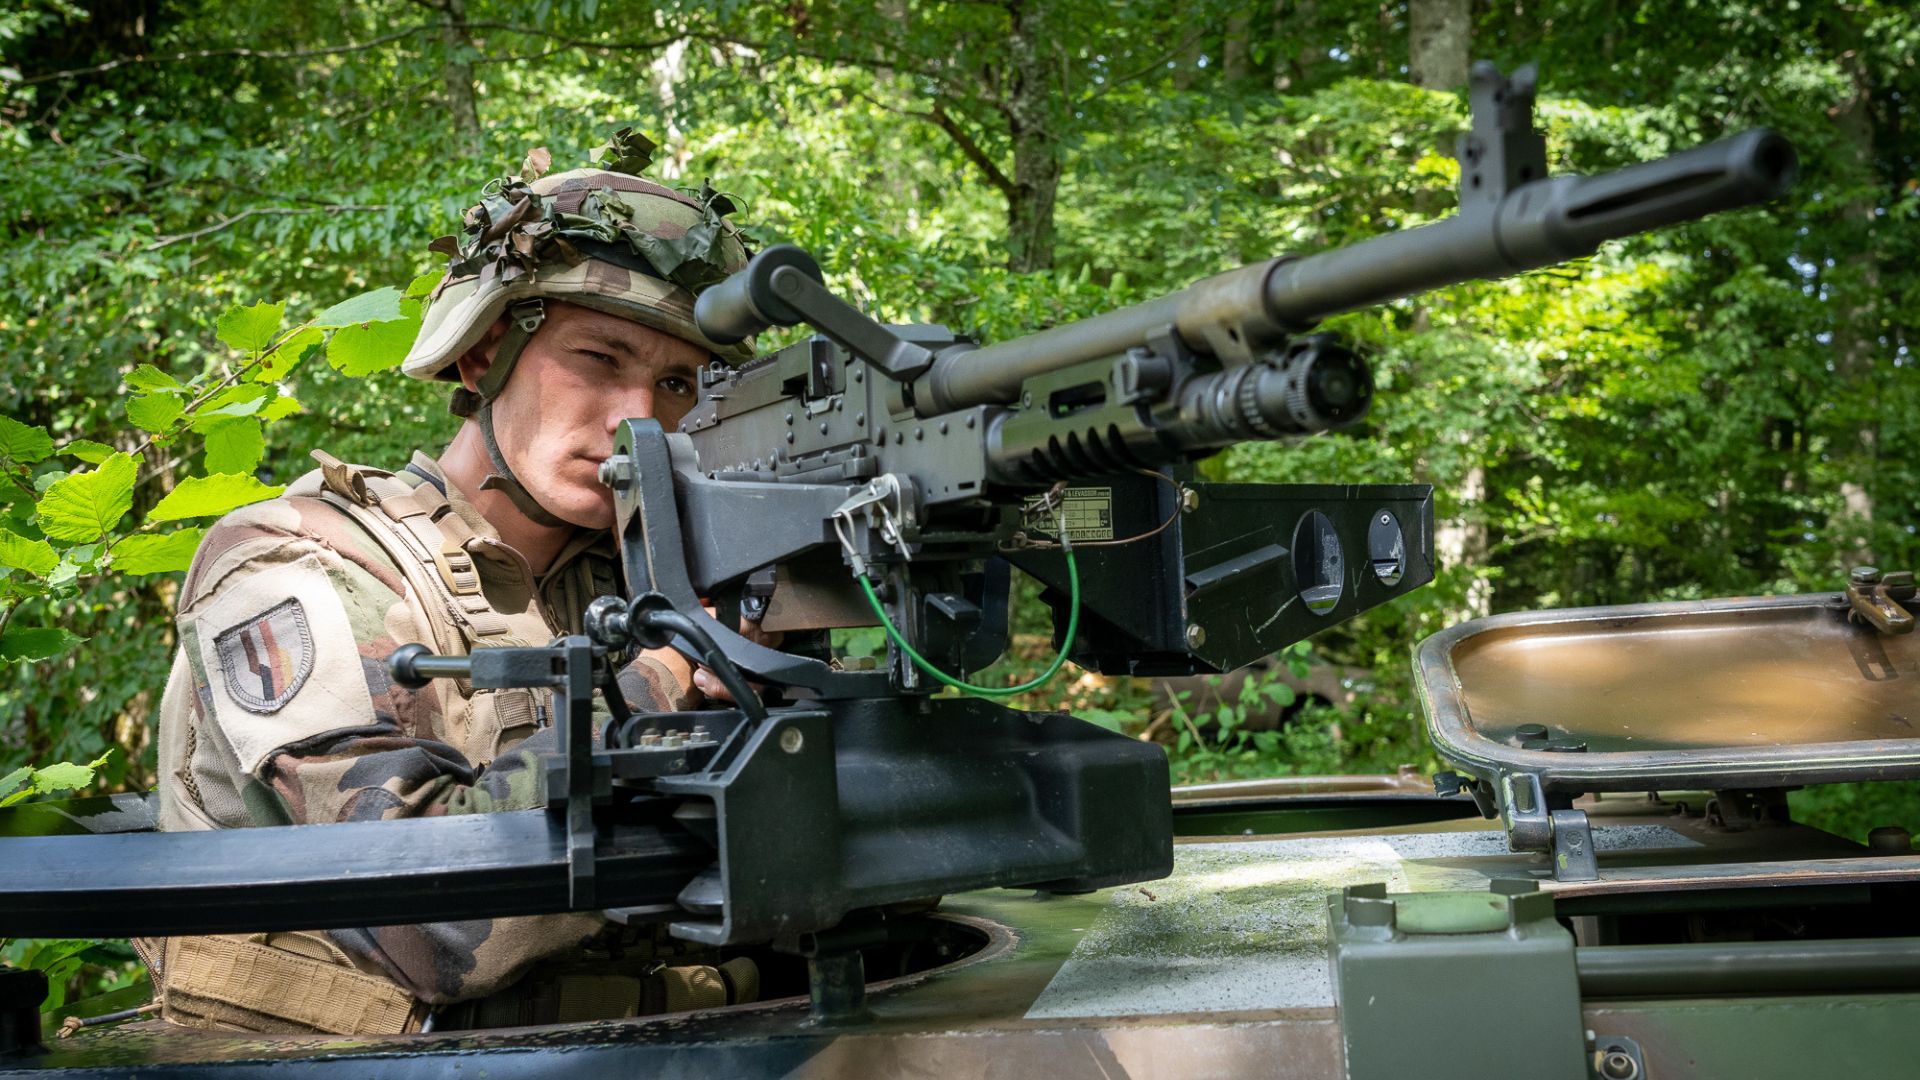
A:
[(1338, 383), (1324, 385)]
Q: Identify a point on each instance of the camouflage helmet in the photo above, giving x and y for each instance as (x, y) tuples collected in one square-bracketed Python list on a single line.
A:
[(601, 239)]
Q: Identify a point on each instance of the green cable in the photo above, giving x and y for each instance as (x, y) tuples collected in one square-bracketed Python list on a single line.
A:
[(1073, 626)]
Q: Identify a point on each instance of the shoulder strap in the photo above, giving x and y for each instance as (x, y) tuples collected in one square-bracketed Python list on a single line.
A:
[(419, 528)]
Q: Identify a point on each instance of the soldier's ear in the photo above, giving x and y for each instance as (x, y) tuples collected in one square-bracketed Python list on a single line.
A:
[(473, 363)]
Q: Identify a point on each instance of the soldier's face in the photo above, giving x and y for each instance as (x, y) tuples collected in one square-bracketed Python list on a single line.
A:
[(583, 372)]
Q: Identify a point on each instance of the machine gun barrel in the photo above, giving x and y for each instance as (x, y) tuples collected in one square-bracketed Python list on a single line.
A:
[(1538, 222)]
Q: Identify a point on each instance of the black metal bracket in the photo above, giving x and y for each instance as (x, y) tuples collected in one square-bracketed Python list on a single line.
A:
[(577, 775), (21, 993)]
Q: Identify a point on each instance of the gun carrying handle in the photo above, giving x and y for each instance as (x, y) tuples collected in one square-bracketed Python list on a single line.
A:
[(748, 302)]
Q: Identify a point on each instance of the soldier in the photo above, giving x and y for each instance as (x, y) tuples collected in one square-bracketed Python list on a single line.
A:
[(567, 308)]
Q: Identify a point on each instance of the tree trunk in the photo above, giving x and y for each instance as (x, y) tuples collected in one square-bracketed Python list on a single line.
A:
[(1855, 337), (1036, 149), (462, 105), (1438, 45), (1234, 52), (1291, 21), (1437, 51)]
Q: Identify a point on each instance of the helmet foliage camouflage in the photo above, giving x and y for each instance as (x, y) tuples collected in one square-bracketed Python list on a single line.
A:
[(600, 238)]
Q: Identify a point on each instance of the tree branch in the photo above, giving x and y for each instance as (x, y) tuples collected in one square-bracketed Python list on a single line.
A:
[(167, 241), (940, 118), (1119, 80), (254, 54)]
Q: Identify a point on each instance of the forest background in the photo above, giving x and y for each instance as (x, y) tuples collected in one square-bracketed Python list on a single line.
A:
[(192, 189)]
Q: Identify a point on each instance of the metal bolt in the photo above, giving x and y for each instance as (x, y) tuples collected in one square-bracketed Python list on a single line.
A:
[(860, 419), (1196, 635), (1189, 499), (672, 740), (789, 436), (791, 740), (789, 419), (1618, 1065), (1866, 575), (617, 472), (699, 735), (1891, 839), (1026, 400), (650, 739), (823, 427), (859, 374), (972, 422), (943, 427)]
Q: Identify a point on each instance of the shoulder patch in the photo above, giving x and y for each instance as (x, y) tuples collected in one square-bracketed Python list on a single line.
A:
[(267, 659)]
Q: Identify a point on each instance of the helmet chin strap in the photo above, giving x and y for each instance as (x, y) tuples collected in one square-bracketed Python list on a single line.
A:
[(523, 319)]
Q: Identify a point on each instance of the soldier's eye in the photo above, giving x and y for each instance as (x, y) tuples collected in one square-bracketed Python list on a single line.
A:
[(600, 358), (677, 386)]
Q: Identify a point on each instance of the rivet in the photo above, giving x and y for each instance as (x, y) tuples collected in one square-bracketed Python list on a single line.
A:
[(791, 740), (1196, 635)]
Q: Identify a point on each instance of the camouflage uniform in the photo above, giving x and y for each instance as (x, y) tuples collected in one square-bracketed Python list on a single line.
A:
[(279, 708)]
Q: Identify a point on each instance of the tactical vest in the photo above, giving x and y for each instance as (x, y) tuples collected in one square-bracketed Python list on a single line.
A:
[(434, 548), (294, 982)]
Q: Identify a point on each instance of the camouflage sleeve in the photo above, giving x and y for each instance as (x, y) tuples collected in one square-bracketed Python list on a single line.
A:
[(659, 680), (292, 610)]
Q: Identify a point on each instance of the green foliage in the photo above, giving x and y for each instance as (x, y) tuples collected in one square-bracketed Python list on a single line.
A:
[(1724, 408), (26, 781)]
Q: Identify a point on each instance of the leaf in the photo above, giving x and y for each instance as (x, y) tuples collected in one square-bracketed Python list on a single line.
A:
[(280, 408), (421, 286), (23, 442), (380, 305), (62, 776), (157, 554), (15, 778), (149, 378), (211, 496), (87, 450), (537, 162), (67, 571), (363, 350), (235, 445), (86, 506), (231, 402), (287, 355), (154, 412), (36, 642), (36, 557), (250, 329)]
